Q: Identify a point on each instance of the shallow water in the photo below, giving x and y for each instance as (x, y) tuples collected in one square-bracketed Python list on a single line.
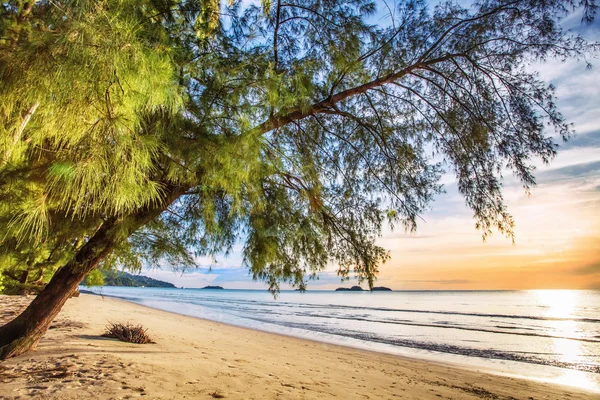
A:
[(551, 335)]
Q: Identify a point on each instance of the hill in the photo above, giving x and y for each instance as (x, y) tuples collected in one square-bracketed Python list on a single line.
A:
[(121, 278)]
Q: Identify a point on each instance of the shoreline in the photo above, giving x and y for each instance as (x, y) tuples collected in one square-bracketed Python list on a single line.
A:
[(314, 341), (579, 379), (199, 358)]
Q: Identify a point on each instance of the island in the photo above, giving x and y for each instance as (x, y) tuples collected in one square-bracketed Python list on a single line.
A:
[(352, 289), (359, 289), (381, 289), (212, 287)]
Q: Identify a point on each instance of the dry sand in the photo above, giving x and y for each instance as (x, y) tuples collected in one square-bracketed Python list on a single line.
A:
[(199, 359)]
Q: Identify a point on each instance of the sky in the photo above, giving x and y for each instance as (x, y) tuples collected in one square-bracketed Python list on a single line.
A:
[(557, 234)]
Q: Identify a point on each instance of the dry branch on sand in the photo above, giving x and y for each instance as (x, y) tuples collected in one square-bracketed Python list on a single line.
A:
[(128, 333)]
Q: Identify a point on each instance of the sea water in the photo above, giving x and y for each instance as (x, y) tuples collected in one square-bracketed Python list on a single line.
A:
[(550, 335)]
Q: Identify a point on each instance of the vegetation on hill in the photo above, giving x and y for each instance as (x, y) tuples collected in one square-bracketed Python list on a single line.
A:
[(122, 278)]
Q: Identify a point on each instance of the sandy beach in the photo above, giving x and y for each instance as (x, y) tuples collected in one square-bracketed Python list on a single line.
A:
[(199, 359)]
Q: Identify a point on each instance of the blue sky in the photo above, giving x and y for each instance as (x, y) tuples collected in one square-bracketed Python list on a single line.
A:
[(558, 225)]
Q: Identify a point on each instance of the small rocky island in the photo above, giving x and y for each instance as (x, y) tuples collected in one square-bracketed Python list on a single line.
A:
[(352, 289), (213, 287), (359, 289)]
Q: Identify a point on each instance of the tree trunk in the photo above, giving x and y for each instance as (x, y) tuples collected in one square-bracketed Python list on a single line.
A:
[(24, 332), (23, 278)]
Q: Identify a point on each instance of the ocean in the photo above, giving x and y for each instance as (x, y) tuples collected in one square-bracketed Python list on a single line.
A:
[(548, 335)]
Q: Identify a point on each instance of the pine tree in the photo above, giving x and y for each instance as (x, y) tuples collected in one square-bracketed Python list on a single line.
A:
[(149, 130)]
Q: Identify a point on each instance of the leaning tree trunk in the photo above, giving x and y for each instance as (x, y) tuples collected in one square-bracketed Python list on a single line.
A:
[(24, 332)]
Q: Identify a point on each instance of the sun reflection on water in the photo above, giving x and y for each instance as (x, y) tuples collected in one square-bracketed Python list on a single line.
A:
[(562, 304)]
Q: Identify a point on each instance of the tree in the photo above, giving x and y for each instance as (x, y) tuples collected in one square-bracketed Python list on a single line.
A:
[(167, 129)]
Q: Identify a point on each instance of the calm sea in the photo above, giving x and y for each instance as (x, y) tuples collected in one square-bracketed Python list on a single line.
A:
[(551, 335)]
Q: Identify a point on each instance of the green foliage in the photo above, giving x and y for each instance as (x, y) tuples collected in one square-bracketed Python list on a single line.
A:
[(94, 278), (297, 128), (75, 94), (27, 266), (207, 20)]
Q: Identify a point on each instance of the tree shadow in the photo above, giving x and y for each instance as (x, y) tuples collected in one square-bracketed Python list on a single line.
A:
[(96, 337)]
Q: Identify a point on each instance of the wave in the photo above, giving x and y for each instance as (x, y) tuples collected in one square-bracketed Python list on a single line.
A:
[(464, 328), (241, 307), (443, 348), (468, 314)]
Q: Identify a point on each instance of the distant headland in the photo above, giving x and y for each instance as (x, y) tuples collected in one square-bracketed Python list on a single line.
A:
[(212, 287), (122, 278), (359, 289)]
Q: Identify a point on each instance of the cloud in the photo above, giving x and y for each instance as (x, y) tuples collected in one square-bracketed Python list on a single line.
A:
[(443, 281), (590, 269), (571, 171), (233, 278), (594, 286), (590, 140), (202, 277), (398, 235)]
